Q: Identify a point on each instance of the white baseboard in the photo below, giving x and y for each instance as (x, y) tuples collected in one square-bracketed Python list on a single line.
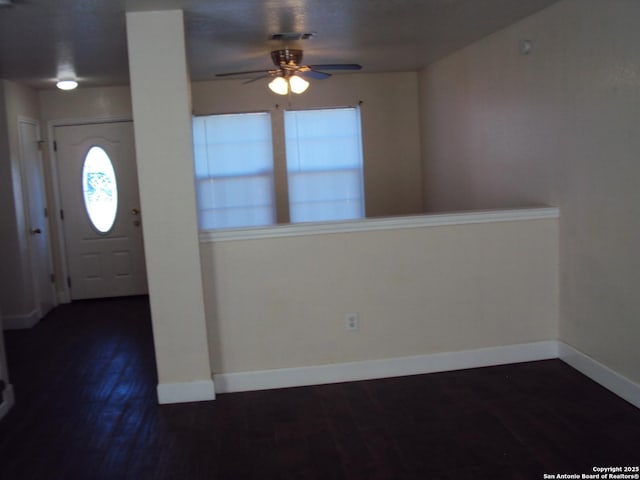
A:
[(393, 367), (183, 392), (8, 400), (396, 367), (63, 296), (18, 322), (599, 373)]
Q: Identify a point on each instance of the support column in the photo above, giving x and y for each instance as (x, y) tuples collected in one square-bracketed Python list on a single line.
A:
[(160, 90)]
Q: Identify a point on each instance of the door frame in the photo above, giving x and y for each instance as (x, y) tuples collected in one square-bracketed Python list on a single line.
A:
[(61, 267), (27, 210)]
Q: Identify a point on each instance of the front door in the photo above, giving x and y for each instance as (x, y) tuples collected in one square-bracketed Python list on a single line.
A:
[(101, 210)]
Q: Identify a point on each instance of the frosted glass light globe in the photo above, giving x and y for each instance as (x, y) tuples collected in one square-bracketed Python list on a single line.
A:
[(298, 84), (279, 85)]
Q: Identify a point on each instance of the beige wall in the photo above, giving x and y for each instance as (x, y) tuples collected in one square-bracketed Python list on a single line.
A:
[(85, 103), (559, 126), (280, 302), (16, 295), (390, 130), (164, 153)]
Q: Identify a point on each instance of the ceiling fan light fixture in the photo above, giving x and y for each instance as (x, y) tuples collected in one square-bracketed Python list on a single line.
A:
[(288, 76), (298, 84), (279, 85)]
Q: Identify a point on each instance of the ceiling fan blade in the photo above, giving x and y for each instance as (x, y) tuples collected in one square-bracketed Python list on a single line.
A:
[(241, 73), (313, 74), (257, 78), (337, 66)]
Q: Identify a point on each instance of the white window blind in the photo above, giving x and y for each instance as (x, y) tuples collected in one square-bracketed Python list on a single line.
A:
[(324, 164), (234, 170)]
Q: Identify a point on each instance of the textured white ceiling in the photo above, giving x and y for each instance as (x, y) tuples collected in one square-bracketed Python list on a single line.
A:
[(41, 40)]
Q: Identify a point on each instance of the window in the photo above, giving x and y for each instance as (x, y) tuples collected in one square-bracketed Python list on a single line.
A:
[(238, 172), (99, 189), (324, 164), (234, 170)]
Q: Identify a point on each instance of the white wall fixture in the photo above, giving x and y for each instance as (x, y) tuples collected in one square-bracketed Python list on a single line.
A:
[(526, 46), (351, 322)]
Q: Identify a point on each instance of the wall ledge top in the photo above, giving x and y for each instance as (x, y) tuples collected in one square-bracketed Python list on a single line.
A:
[(386, 223)]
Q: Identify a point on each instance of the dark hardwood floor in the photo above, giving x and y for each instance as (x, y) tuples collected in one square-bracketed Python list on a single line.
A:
[(86, 409)]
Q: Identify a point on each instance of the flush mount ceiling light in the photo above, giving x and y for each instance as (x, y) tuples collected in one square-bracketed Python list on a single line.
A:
[(67, 84)]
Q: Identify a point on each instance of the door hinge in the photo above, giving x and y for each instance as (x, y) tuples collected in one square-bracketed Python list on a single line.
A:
[(46, 212), (69, 282), (61, 214), (55, 146), (53, 277)]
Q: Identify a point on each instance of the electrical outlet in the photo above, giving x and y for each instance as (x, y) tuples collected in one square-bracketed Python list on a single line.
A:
[(351, 322)]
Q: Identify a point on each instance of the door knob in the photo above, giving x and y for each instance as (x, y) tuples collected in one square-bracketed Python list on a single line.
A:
[(135, 211), (36, 231)]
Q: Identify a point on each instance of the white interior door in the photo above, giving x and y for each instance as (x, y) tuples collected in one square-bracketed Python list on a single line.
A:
[(35, 202), (101, 210)]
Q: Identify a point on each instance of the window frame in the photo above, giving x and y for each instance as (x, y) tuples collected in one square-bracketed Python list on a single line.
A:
[(279, 173), (208, 177), (357, 168)]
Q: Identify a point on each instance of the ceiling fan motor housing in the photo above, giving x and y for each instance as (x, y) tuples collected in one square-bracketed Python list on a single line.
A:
[(286, 57)]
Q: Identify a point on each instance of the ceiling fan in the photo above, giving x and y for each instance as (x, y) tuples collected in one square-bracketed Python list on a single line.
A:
[(288, 76)]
